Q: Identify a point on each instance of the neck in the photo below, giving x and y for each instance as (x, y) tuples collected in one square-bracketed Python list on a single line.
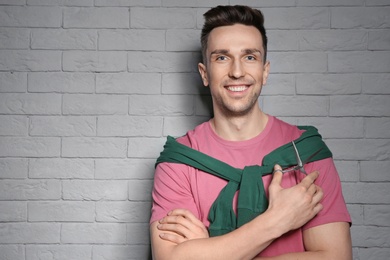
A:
[(239, 128)]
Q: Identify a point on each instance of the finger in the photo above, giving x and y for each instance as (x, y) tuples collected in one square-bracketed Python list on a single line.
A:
[(172, 238), (175, 228), (277, 175), (309, 179), (187, 215), (318, 194)]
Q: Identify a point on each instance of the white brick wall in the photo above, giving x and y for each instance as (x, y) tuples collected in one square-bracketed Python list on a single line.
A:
[(90, 88)]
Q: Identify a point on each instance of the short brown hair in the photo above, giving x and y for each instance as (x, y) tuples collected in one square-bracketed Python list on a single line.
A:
[(230, 15)]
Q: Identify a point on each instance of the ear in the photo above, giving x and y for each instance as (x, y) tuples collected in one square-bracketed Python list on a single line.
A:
[(203, 73), (265, 72)]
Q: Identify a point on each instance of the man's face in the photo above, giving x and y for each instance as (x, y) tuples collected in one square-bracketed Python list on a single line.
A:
[(234, 69)]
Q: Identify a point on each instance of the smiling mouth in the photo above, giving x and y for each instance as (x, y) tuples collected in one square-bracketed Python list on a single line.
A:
[(237, 88)]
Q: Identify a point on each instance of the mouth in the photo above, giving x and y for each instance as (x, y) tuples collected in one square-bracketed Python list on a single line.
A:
[(237, 88)]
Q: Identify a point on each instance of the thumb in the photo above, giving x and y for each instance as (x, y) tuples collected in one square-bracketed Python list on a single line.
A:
[(277, 175)]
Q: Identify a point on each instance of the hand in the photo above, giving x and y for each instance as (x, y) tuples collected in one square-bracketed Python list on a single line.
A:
[(181, 225), (294, 206)]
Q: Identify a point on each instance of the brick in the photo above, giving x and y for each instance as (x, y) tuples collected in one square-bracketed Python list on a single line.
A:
[(328, 84), (66, 211), (162, 18), (282, 40), (330, 3), (13, 168), (370, 236), (138, 234), (94, 190), (374, 171), (13, 82), (13, 125), (127, 3), (130, 212), (363, 149), (94, 147), (297, 106), (204, 106), (12, 2), (377, 215), (129, 126), (30, 190), (41, 104), (22, 60), (128, 83), (377, 127), (86, 17), (15, 38), (26, 233), (30, 16), (336, 127), (360, 17), (163, 62), (367, 105), (54, 39), (161, 105), (140, 40), (376, 2), (145, 147), (13, 211), (59, 252), (108, 169), (366, 193), (60, 168), (296, 18), (356, 212), (292, 62), (29, 146), (376, 83), (101, 104), (140, 190), (116, 252), (379, 40), (62, 126), (344, 62), (88, 233), (183, 83), (11, 252), (279, 84), (61, 2), (348, 170), (334, 40), (179, 125), (196, 3), (183, 40), (374, 253), (93, 61)]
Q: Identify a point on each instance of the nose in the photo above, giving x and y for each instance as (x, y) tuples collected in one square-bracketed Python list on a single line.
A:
[(237, 69)]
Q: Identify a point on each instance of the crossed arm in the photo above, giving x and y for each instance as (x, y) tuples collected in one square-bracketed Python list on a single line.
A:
[(180, 235)]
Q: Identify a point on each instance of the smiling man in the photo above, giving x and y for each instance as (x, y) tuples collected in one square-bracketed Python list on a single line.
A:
[(226, 190)]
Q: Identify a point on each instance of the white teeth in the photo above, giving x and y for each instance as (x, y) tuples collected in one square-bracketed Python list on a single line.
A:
[(237, 88)]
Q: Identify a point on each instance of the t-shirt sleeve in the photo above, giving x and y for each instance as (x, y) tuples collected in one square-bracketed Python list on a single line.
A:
[(334, 207), (171, 190)]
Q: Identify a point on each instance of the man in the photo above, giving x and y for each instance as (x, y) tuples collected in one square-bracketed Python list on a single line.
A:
[(306, 217)]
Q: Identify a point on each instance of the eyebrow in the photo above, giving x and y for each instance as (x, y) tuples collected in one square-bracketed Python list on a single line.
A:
[(246, 51)]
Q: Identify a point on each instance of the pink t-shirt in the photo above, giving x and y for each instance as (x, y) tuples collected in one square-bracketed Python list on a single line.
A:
[(182, 186)]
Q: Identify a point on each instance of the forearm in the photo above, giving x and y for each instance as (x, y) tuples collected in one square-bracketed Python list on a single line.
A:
[(243, 243)]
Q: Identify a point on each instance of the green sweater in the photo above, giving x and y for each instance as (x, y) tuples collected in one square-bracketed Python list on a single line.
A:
[(252, 200)]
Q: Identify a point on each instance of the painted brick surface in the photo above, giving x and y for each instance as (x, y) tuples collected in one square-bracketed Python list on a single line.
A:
[(89, 90)]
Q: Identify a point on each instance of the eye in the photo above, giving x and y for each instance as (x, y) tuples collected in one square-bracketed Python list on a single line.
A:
[(221, 58), (251, 58)]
